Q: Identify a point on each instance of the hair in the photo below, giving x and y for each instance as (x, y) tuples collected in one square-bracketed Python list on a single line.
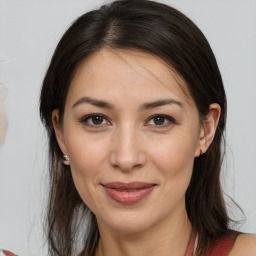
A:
[(165, 32)]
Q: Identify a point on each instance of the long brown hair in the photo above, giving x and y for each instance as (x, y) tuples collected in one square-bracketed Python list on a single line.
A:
[(167, 33)]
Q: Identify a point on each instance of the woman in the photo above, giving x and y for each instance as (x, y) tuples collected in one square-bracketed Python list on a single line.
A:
[(135, 110)]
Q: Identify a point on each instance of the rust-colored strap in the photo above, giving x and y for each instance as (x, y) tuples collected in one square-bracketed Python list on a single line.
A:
[(222, 246)]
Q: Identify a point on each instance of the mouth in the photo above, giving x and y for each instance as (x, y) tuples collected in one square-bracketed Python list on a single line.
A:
[(128, 193)]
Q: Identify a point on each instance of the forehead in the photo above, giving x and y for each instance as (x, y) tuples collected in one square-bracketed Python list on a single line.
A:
[(118, 70)]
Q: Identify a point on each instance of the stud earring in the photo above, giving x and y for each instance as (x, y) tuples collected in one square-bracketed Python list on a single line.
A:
[(65, 159)]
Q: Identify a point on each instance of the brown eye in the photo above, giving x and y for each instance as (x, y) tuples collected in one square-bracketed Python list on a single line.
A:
[(159, 120), (97, 120)]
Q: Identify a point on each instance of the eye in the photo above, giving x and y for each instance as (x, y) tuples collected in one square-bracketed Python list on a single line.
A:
[(161, 121), (95, 120)]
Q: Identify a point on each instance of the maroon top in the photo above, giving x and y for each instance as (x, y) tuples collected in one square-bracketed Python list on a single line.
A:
[(220, 247)]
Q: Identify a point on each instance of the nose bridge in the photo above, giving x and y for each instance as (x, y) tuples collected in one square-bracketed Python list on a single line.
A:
[(127, 149)]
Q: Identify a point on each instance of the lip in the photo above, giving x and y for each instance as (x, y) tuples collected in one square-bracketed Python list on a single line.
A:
[(128, 193)]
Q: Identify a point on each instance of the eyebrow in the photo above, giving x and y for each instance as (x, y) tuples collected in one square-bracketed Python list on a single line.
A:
[(94, 102), (160, 103), (145, 106)]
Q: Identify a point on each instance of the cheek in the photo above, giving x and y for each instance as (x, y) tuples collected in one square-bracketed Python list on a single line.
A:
[(174, 161), (86, 153), (87, 157), (87, 161), (174, 156)]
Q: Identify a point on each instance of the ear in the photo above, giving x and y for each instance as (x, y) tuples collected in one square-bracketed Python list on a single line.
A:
[(58, 130), (208, 129)]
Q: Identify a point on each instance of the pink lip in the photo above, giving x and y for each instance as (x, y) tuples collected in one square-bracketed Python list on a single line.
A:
[(128, 193)]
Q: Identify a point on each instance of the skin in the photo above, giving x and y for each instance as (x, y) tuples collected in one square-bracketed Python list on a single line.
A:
[(128, 144), (245, 245)]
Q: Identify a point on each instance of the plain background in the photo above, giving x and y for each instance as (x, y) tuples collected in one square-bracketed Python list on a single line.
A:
[(29, 32)]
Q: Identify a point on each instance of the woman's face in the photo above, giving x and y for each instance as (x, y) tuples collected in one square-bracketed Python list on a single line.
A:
[(131, 134)]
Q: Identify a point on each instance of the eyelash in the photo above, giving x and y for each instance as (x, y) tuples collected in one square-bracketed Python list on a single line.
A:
[(168, 120)]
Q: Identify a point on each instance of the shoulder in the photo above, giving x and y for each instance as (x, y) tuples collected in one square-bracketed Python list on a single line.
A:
[(245, 245)]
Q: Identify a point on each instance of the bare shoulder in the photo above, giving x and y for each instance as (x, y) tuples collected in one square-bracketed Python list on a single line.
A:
[(245, 245)]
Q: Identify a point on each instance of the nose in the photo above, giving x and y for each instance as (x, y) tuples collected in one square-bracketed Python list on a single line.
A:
[(127, 149)]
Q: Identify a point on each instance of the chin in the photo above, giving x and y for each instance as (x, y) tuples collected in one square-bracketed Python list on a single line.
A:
[(129, 222), (130, 227)]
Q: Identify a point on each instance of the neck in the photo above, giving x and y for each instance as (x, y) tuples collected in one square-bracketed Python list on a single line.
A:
[(164, 238)]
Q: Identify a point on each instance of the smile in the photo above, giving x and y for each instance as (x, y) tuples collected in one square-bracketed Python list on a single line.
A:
[(128, 193)]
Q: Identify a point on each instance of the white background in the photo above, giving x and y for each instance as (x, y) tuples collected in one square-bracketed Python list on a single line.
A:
[(29, 32)]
